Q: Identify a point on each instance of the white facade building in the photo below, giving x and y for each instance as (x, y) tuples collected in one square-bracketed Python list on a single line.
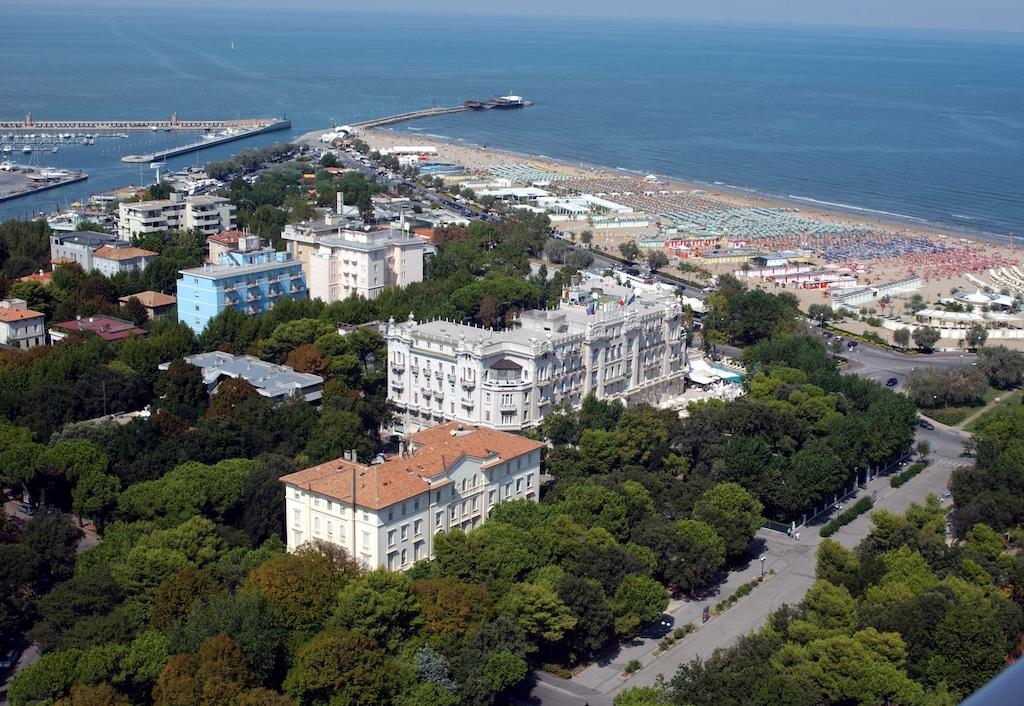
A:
[(20, 326), (207, 214), (613, 343), (343, 262), (386, 514)]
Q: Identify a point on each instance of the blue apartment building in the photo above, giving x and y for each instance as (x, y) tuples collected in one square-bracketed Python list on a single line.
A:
[(250, 281)]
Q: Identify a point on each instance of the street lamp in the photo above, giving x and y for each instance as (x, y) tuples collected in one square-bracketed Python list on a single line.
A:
[(762, 558)]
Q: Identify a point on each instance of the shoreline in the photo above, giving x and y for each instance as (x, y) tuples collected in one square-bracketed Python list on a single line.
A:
[(742, 196)]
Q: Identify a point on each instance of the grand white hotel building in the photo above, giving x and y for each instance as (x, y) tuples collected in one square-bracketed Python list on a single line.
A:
[(612, 341)]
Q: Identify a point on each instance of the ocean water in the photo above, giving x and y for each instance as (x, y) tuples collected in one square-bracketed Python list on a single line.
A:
[(925, 124)]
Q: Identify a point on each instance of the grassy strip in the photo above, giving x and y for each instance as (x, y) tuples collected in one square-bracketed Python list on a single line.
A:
[(950, 416), (677, 635), (740, 592), (855, 511), (869, 337), (903, 476)]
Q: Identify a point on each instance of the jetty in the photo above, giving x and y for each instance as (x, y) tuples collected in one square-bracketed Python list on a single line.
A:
[(230, 135), (28, 123), (498, 102)]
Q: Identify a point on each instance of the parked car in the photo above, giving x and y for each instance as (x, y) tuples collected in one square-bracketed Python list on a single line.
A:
[(28, 508), (8, 658), (925, 424), (851, 345), (892, 382)]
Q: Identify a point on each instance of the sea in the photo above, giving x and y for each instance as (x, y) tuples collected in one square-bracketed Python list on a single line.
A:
[(925, 125)]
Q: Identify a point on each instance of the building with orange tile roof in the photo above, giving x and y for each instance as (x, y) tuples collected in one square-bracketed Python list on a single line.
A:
[(157, 303), (386, 513), (110, 260), (21, 327), (43, 277)]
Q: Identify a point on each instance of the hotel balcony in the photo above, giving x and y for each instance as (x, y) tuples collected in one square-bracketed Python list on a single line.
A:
[(451, 377), (398, 384), (397, 366), (468, 384), (468, 404), (426, 392), (438, 374)]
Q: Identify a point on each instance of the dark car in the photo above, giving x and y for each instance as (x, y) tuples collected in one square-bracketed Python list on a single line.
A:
[(925, 424), (8, 658), (660, 627), (892, 382), (851, 344), (28, 508), (826, 334)]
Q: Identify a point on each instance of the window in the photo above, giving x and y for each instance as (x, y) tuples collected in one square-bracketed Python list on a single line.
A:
[(316, 525), (508, 417), (463, 485), (391, 515), (417, 528), (330, 530), (391, 538), (297, 517), (439, 520), (416, 504), (519, 485), (454, 511), (465, 507), (417, 551), (473, 504), (405, 557), (405, 532), (296, 494), (508, 490), (506, 398), (491, 496), (366, 517), (529, 480), (316, 502), (341, 532)]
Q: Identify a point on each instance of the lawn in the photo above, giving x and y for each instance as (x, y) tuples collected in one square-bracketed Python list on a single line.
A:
[(952, 416), (1006, 399)]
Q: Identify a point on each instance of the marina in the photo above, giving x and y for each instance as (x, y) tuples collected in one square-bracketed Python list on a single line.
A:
[(28, 123)]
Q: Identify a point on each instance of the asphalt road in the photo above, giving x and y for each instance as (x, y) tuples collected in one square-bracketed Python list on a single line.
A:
[(792, 562)]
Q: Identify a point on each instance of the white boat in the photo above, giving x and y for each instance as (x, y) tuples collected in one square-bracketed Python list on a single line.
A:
[(27, 149), (8, 149), (8, 166), (54, 150)]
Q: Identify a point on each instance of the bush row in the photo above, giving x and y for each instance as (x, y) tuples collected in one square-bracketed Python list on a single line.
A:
[(903, 476), (855, 511)]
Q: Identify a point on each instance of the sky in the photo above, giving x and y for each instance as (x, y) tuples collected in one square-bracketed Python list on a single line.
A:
[(994, 15)]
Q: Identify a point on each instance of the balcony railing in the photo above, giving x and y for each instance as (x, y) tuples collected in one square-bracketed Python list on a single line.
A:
[(468, 384)]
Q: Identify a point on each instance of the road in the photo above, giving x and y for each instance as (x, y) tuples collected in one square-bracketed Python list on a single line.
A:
[(792, 562)]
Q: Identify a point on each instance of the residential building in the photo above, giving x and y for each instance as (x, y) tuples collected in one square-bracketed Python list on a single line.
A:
[(20, 326), (363, 262), (610, 341), (221, 244), (43, 277), (207, 214), (251, 282), (157, 304), (275, 382), (386, 514), (80, 247), (108, 328), (110, 260)]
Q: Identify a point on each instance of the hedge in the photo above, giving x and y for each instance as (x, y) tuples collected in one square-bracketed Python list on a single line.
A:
[(903, 476), (855, 511)]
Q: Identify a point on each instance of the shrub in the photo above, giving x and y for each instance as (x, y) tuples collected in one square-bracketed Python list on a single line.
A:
[(858, 509), (740, 592), (902, 477), (634, 665), (683, 630)]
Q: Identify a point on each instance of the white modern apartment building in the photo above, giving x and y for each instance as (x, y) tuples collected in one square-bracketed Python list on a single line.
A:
[(344, 262), (606, 340), (386, 514), (207, 214)]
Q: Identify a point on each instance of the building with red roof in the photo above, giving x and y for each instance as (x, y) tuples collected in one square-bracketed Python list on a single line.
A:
[(108, 328), (386, 513)]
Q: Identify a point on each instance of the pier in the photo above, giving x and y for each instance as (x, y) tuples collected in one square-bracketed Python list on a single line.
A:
[(499, 102), (15, 183), (28, 123), (231, 136)]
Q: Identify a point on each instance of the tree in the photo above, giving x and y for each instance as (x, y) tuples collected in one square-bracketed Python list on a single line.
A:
[(586, 237), (538, 613), (301, 587), (925, 337), (178, 593), (328, 160), (1004, 368), (977, 334), (901, 337), (656, 259), (229, 395), (135, 312), (182, 390), (637, 600), (701, 555), (343, 668), (380, 605), (629, 250), (452, 608), (923, 449), (734, 514), (586, 599)]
